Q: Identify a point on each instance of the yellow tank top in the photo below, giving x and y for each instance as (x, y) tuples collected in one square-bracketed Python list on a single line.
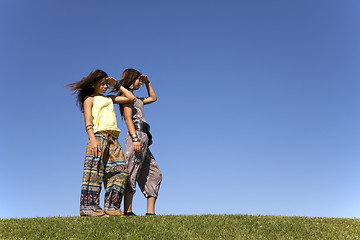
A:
[(104, 116)]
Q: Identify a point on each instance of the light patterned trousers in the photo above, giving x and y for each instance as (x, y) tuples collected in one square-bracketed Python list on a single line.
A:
[(142, 168)]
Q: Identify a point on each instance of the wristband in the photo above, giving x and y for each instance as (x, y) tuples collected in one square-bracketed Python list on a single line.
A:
[(117, 86)]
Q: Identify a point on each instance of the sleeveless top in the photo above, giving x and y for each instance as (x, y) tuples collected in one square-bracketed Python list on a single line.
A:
[(104, 116), (138, 111)]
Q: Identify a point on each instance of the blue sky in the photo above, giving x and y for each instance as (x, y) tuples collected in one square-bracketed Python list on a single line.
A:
[(257, 109)]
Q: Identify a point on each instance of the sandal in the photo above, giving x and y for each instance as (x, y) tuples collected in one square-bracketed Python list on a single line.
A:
[(114, 212), (92, 213), (129, 214)]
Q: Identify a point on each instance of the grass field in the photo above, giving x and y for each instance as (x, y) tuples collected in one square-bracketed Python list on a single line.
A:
[(181, 227)]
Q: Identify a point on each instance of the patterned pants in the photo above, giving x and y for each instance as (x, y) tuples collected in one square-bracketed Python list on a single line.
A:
[(142, 168), (108, 168)]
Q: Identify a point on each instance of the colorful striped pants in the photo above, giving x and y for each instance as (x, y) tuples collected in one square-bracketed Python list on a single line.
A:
[(109, 168), (142, 168)]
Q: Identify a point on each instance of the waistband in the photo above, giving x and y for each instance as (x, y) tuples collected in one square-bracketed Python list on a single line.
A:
[(145, 128), (112, 133), (142, 127)]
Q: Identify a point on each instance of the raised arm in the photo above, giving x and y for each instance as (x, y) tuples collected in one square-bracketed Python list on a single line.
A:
[(126, 98), (95, 147), (152, 96)]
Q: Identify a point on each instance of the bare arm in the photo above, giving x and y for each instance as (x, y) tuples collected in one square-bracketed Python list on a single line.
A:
[(88, 104), (127, 95), (126, 98), (152, 96), (130, 125)]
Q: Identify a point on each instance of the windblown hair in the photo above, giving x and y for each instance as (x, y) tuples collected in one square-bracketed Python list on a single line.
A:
[(85, 87), (128, 78)]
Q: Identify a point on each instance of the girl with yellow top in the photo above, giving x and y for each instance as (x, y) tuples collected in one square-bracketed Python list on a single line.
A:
[(104, 159)]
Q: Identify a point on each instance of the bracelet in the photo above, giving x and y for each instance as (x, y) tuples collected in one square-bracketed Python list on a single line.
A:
[(89, 126), (117, 86), (135, 137)]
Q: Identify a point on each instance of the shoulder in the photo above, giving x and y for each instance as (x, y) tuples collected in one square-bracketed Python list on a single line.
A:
[(130, 104), (89, 100)]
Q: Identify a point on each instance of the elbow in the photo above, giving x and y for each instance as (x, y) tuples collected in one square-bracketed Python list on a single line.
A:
[(130, 99), (153, 98)]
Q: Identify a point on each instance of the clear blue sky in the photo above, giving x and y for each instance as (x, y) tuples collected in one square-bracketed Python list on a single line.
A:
[(257, 111)]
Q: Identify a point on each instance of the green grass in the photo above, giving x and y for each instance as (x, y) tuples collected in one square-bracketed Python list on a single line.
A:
[(181, 227)]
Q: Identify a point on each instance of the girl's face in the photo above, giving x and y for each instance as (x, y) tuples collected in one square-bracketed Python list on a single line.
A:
[(101, 86), (137, 84)]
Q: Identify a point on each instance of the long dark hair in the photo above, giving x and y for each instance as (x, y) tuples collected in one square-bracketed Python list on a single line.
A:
[(85, 87), (128, 78)]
